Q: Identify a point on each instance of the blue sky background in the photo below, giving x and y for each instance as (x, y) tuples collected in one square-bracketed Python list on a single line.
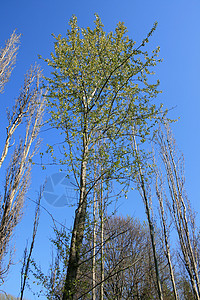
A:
[(178, 35)]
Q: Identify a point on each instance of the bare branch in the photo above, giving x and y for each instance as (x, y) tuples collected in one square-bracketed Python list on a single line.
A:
[(179, 205), (7, 59), (18, 171), (25, 107)]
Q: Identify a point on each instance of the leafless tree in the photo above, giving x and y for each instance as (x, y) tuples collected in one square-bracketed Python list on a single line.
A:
[(182, 215), (125, 258), (28, 111)]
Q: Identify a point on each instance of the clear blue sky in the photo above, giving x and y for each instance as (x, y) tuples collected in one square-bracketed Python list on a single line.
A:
[(178, 35)]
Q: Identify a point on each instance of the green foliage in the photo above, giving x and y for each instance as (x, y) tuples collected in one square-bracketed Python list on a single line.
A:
[(99, 92), (99, 89)]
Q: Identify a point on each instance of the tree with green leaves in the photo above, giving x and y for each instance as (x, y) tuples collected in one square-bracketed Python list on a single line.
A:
[(99, 88)]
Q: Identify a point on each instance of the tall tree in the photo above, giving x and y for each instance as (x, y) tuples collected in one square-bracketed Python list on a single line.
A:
[(182, 214), (29, 107), (26, 112), (98, 89)]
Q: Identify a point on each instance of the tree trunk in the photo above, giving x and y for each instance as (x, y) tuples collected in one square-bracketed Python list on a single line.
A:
[(94, 245), (164, 226), (102, 241), (151, 227), (78, 229)]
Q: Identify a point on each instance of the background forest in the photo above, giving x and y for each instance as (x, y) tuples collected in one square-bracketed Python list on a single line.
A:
[(94, 200)]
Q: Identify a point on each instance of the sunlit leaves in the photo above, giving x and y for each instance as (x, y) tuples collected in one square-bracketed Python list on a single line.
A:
[(100, 87)]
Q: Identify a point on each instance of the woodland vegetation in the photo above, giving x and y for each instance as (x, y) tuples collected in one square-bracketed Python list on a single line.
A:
[(101, 99)]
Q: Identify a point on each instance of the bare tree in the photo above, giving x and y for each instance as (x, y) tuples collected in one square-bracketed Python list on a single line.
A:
[(8, 58), (28, 109), (179, 206), (125, 258)]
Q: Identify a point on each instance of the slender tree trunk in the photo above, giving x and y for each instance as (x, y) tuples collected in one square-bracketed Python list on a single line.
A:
[(165, 242), (151, 227), (94, 244), (102, 241), (169, 262)]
